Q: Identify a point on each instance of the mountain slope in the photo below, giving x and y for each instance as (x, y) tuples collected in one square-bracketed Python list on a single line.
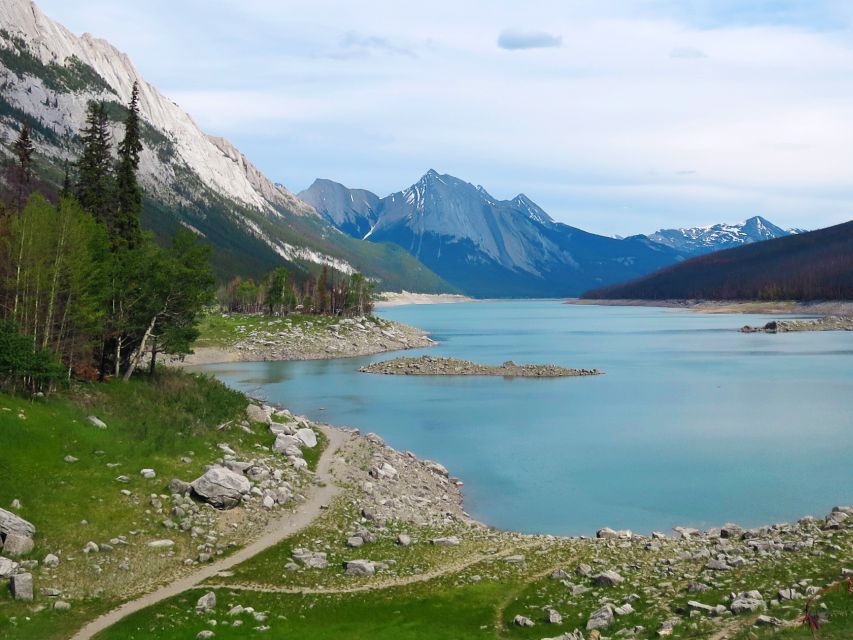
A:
[(700, 240), (490, 247), (48, 76), (808, 266), (353, 211)]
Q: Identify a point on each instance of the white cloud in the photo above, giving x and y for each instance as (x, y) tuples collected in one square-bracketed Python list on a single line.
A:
[(513, 39)]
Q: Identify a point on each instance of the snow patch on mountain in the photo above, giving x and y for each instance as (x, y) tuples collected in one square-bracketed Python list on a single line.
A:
[(698, 240)]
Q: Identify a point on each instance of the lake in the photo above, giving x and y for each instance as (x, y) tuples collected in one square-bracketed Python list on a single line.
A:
[(692, 424)]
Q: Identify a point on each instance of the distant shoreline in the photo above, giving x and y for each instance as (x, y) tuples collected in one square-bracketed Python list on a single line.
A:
[(819, 308), (397, 299)]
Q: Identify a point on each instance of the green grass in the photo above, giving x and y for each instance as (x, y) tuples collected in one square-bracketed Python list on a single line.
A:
[(223, 330), (149, 425)]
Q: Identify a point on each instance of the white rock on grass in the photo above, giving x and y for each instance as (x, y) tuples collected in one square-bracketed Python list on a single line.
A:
[(50, 560), (21, 586), (96, 422), (148, 473), (256, 414), (600, 618), (359, 568), (608, 578), (161, 544), (17, 545), (221, 487), (7, 567), (521, 621), (206, 603), (307, 437), (449, 541)]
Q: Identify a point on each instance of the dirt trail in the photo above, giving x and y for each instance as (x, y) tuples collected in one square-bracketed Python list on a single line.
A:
[(275, 532)]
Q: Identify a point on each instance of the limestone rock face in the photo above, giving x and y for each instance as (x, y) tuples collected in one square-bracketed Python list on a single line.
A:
[(221, 487)]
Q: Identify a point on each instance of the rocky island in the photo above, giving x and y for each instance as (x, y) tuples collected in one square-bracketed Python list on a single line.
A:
[(431, 366), (827, 323)]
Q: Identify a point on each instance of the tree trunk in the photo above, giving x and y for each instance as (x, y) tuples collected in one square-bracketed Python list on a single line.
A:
[(137, 355)]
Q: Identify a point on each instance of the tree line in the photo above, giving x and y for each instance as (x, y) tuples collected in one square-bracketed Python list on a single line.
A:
[(279, 293), (83, 289)]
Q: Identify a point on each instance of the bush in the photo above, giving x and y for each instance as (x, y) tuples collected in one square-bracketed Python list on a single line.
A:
[(23, 365)]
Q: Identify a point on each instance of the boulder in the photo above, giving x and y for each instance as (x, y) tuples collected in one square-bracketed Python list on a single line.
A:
[(553, 617), (255, 414), (607, 579), (221, 487), (354, 542), (310, 559), (61, 605), (404, 540), (96, 422), (11, 523), (177, 486), (521, 621), (21, 586), (730, 530), (206, 603), (609, 534), (449, 541), (747, 602), (7, 567), (148, 474), (600, 618), (284, 442), (17, 545), (584, 570), (307, 437), (206, 634), (359, 568), (161, 544)]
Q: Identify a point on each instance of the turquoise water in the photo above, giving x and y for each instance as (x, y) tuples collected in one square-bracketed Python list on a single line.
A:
[(693, 423)]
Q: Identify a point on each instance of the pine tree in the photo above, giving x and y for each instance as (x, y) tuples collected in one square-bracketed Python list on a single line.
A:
[(322, 285), (95, 184), (66, 184), (24, 150), (129, 195)]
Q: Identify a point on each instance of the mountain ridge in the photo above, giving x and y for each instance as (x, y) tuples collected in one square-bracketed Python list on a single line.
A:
[(491, 247), (699, 240), (190, 178)]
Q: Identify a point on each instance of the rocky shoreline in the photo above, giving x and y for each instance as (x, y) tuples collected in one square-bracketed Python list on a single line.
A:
[(827, 323), (432, 366), (282, 339)]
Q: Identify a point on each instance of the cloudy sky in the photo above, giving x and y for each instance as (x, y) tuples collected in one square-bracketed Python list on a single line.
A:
[(618, 117)]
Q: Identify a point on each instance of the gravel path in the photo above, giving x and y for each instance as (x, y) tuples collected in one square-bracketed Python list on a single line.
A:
[(275, 532)]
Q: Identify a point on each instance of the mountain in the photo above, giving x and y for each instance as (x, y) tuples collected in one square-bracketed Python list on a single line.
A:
[(353, 211), (484, 246), (700, 240), (815, 265), (48, 76)]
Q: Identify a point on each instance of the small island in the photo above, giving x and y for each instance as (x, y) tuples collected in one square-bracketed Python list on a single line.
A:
[(827, 323), (432, 366)]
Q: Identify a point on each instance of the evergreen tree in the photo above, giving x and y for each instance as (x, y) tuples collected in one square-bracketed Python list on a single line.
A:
[(66, 184), (128, 193), (322, 286), (24, 150), (95, 183)]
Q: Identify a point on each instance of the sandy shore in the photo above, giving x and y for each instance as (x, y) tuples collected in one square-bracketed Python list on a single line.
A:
[(835, 308), (394, 299)]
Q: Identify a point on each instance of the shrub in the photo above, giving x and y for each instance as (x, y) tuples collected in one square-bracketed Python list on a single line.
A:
[(23, 365)]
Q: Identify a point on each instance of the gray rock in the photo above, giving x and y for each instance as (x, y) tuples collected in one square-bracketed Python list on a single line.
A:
[(624, 610), (96, 422), (789, 594), (221, 487), (17, 545), (601, 618), (207, 634), (71, 459), (609, 534), (355, 542), (255, 414), (717, 565), (449, 541), (747, 602), (521, 621), (61, 605), (7, 567), (11, 523), (148, 474), (91, 547), (206, 603), (697, 587), (179, 487), (608, 578), (559, 574), (404, 540), (359, 568), (21, 585), (584, 570), (553, 617), (768, 621), (730, 530), (161, 544), (310, 559), (284, 442), (307, 437)]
